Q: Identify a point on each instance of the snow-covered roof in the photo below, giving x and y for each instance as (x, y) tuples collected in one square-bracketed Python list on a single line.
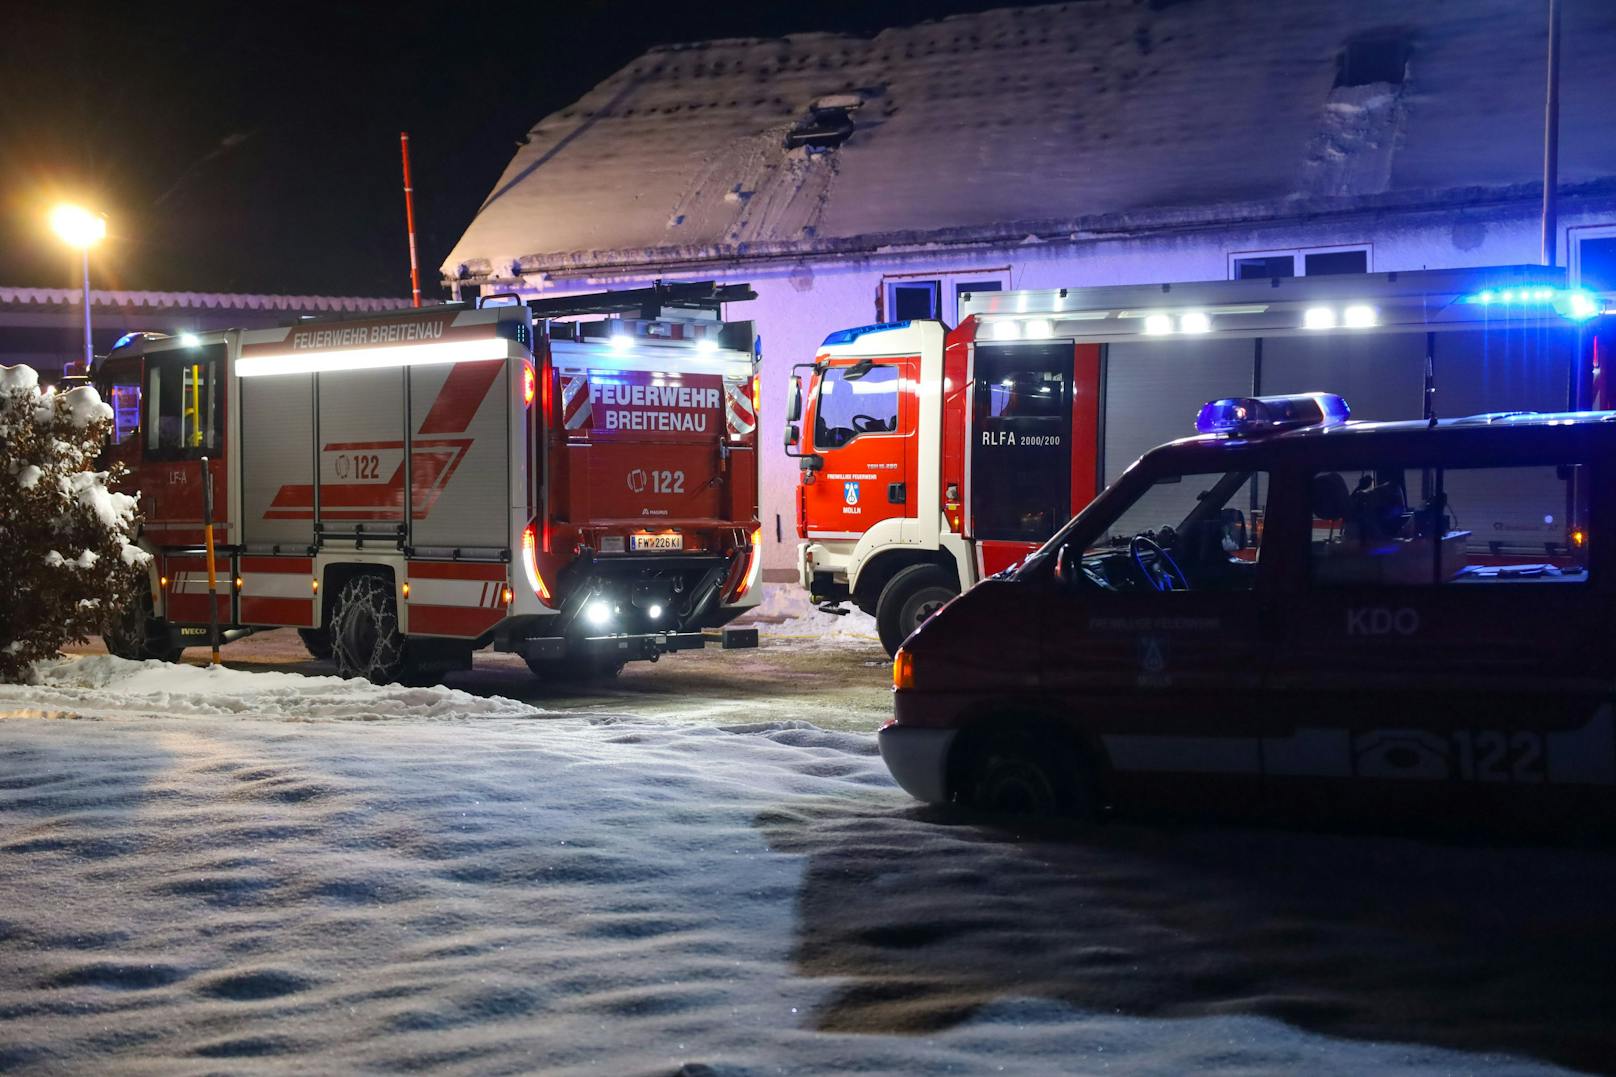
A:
[(1108, 115), (20, 297)]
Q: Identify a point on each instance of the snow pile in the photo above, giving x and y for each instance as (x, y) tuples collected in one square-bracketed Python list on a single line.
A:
[(786, 611), (628, 896), (102, 686)]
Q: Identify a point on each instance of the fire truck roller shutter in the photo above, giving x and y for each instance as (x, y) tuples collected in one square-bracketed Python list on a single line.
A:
[(361, 449), (1515, 369), (460, 456), (1153, 391), (1381, 375), (277, 451)]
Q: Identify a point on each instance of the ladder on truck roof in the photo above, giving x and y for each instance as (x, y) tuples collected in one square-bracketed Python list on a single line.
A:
[(645, 303)]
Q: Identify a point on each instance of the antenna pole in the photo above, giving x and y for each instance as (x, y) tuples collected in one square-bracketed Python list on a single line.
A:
[(1551, 138), (409, 217)]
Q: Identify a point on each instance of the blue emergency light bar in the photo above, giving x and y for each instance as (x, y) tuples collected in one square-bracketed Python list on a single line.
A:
[(1249, 416), (1574, 304)]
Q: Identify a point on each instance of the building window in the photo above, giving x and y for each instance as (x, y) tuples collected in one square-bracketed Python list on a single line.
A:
[(913, 300), (1593, 257), (1299, 262), (964, 288), (936, 295)]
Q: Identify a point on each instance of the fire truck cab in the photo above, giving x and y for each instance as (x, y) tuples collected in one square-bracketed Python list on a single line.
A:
[(932, 457), (573, 479), (1295, 615)]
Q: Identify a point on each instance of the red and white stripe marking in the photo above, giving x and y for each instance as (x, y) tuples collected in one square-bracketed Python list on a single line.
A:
[(576, 412), (738, 410), (277, 591), (455, 598)]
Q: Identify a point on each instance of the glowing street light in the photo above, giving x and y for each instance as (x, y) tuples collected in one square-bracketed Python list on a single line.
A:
[(78, 227)]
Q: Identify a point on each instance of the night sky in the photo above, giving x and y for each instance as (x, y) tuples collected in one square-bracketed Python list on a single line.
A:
[(254, 147)]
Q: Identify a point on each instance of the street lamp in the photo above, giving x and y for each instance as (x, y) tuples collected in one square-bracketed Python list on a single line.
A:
[(80, 228)]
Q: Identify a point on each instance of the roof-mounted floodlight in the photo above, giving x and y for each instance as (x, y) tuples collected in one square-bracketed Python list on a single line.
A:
[(1250, 416)]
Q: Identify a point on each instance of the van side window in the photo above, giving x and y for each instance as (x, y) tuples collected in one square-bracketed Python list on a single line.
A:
[(182, 404), (1209, 525), (1412, 526), (866, 403)]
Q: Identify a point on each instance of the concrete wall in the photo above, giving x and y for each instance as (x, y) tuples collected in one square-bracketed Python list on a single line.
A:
[(799, 303)]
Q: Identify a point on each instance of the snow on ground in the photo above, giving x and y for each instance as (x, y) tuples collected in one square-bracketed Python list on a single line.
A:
[(240, 887), (785, 610), (105, 686)]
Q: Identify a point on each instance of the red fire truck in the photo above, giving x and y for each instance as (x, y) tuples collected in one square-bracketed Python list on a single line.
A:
[(932, 457), (405, 489)]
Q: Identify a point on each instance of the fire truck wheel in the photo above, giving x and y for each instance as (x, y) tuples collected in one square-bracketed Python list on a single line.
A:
[(908, 599), (317, 641), (136, 634), (364, 631), (1019, 772)]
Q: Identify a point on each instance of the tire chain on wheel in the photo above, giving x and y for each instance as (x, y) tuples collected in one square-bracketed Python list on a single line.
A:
[(368, 596)]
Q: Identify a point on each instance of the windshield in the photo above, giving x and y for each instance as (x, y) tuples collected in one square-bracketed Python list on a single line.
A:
[(1174, 505), (852, 402)]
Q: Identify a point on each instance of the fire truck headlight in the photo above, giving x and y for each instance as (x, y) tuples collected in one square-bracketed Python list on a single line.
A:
[(707, 345), (1359, 316), (621, 342), (1037, 329), (598, 613), (1158, 325), (1194, 321), (655, 612)]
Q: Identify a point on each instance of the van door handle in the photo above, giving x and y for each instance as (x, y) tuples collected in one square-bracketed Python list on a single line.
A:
[(897, 492)]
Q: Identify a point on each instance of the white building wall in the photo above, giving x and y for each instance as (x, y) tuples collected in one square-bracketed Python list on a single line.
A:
[(800, 303)]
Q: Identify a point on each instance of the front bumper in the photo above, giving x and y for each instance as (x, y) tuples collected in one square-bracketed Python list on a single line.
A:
[(918, 760)]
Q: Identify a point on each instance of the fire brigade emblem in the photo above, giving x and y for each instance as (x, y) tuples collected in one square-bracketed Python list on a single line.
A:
[(637, 480), (850, 492)]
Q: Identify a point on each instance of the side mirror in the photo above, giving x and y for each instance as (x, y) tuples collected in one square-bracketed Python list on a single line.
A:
[(792, 434), (811, 462), (794, 401)]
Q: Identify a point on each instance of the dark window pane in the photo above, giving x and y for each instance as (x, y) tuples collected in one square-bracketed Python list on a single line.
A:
[(1279, 265), (1374, 58), (914, 302), (1021, 464), (972, 287), (1598, 263), (1320, 265)]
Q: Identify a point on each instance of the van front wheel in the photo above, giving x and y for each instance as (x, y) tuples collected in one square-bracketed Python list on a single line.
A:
[(1022, 772), (908, 599)]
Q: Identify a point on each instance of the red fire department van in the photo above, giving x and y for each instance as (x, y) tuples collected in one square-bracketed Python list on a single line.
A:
[(406, 488), (934, 457), (1295, 614)]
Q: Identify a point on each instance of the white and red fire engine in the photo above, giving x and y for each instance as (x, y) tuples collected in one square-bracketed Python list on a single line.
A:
[(404, 489), (932, 457)]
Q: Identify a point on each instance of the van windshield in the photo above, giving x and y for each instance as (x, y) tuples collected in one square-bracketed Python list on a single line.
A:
[(1182, 532)]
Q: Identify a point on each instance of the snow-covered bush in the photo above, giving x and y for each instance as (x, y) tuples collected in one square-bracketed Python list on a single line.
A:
[(64, 535)]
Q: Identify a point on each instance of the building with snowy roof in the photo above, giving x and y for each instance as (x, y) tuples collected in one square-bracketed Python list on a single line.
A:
[(44, 327), (854, 180)]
